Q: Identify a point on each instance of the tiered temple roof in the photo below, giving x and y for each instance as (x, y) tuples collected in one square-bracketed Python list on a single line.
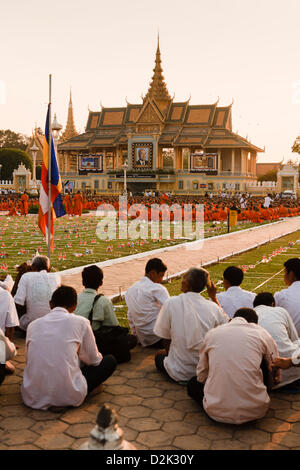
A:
[(178, 124)]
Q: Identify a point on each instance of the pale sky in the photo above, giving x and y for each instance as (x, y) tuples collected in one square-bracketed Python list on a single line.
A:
[(246, 50)]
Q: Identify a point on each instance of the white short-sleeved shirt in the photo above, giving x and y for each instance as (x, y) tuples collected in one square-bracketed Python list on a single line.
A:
[(144, 300), (7, 348), (230, 359), (35, 289), (234, 298), (290, 300), (8, 313), (278, 322), (178, 320), (54, 345)]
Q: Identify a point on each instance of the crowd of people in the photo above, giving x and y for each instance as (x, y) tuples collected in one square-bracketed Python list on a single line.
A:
[(229, 349), (250, 208)]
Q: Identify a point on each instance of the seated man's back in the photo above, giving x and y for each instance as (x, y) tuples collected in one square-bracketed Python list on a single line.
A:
[(185, 320), (52, 376), (290, 298), (278, 322), (8, 314), (230, 361)]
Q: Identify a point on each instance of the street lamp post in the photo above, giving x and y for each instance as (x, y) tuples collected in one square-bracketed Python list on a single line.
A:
[(34, 150), (125, 168), (56, 128)]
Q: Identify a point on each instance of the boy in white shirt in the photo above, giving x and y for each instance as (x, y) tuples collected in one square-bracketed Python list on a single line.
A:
[(144, 300), (234, 296)]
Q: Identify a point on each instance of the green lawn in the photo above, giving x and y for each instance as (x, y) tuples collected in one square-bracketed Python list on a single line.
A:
[(283, 249), (75, 241)]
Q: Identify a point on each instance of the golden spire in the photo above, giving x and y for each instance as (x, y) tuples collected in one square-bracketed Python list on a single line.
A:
[(70, 130), (158, 89)]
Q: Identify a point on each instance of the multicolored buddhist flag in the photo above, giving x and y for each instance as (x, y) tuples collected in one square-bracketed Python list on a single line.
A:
[(56, 206)]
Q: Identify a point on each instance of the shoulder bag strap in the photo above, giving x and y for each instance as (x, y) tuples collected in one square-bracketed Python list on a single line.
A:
[(90, 317)]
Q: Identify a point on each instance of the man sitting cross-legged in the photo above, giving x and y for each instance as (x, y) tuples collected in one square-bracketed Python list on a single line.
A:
[(7, 351), (290, 298), (54, 345), (112, 338), (183, 321), (144, 300), (278, 322), (229, 381)]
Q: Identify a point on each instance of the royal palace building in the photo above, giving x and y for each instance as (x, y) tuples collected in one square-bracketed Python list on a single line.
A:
[(165, 146)]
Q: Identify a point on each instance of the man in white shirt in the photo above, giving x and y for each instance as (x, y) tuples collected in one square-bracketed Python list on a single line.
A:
[(234, 296), (183, 321), (277, 321), (144, 300), (54, 345), (229, 382), (7, 351), (8, 313), (34, 291), (7, 283), (103, 316), (290, 298), (267, 201)]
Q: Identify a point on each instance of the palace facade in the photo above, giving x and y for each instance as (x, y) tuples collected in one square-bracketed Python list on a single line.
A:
[(166, 145)]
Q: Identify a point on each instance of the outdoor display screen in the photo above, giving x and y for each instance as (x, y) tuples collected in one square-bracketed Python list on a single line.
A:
[(204, 163), (90, 163)]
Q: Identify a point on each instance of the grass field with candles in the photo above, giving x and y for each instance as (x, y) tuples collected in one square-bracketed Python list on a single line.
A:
[(76, 242), (262, 266)]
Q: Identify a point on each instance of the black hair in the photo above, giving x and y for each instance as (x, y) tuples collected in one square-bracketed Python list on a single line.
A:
[(293, 265), (248, 313), (92, 277), (233, 275), (264, 298), (155, 264), (64, 296)]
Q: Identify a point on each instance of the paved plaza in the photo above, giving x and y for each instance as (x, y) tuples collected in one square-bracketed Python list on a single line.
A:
[(154, 413)]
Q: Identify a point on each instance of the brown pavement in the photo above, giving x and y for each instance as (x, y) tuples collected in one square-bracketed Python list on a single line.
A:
[(154, 413), (124, 274)]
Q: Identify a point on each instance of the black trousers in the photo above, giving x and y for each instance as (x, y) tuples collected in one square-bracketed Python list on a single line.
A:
[(2, 373), (195, 390), (159, 362), (96, 375)]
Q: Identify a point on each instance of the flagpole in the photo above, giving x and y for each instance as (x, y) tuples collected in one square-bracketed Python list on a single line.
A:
[(49, 167)]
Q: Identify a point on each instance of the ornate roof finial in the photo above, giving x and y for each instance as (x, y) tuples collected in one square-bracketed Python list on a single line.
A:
[(70, 130), (158, 89)]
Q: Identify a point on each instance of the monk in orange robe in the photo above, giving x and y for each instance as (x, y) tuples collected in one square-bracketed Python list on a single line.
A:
[(68, 204), (12, 211), (78, 203), (24, 204)]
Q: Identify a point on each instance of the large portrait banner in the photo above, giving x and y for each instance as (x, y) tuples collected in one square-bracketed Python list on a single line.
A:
[(142, 155)]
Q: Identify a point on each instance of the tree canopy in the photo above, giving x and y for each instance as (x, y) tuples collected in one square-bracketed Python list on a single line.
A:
[(269, 176), (10, 159), (11, 139)]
